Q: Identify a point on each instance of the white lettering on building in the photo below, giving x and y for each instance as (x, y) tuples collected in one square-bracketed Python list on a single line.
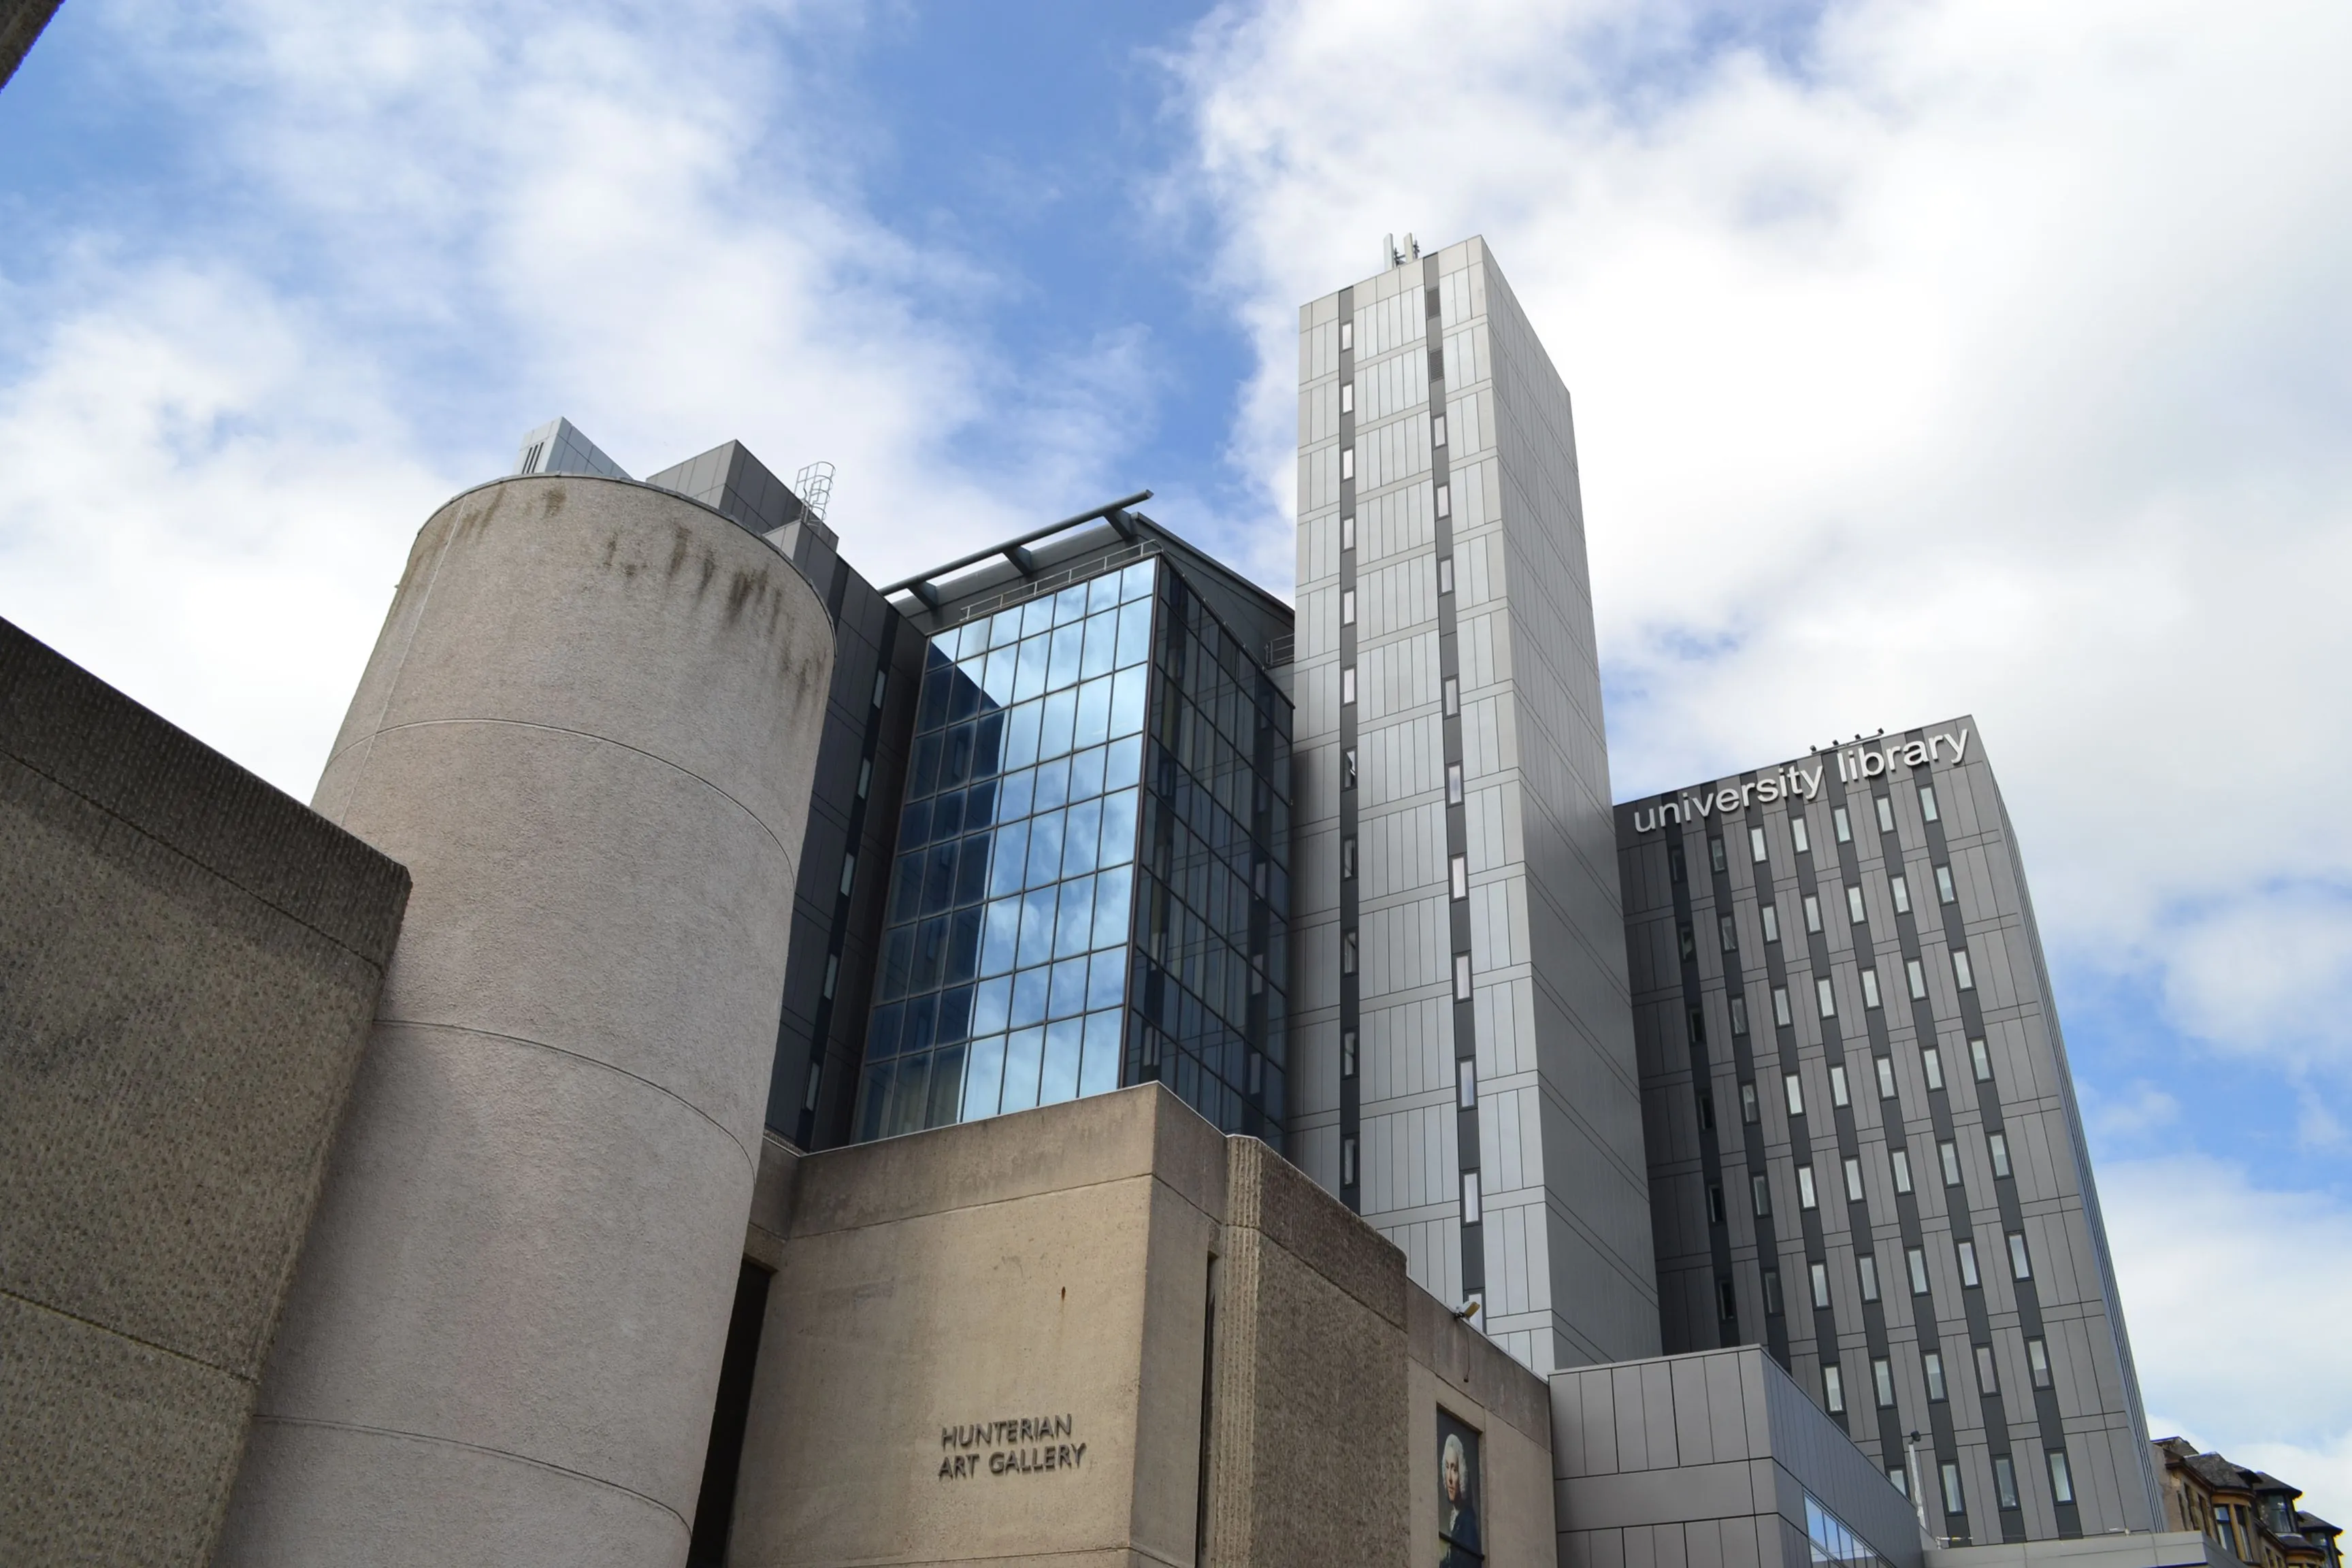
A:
[(1794, 781)]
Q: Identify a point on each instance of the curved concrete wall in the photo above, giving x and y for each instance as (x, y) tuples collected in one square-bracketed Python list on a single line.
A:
[(588, 730)]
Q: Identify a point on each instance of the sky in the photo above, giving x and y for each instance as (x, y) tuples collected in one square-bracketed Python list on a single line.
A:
[(1928, 358)]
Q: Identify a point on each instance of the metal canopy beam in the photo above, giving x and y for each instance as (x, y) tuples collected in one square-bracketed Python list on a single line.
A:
[(1116, 511)]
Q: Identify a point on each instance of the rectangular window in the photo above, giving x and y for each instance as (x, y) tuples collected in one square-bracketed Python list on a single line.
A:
[(1348, 953), (1927, 803), (1445, 575), (832, 973), (1346, 856), (1813, 912), (1465, 1084), (2004, 1480), (1837, 815), (1794, 1088), (1453, 783), (1853, 911), (1347, 533), (1870, 988), (1348, 768), (1452, 698), (1885, 1076), (1462, 977), (1820, 1275), (1962, 974), (1900, 892), (881, 686), (1460, 871), (1445, 500), (1706, 1111), (1899, 1160), (1917, 973), (1772, 1292), (1347, 398), (1997, 1149), (1346, 607), (1470, 1210), (1755, 851), (2021, 1267), (1715, 855), (1749, 1107), (1988, 1376), (1437, 430), (1944, 893), (2037, 1362), (1932, 1363), (1798, 834), (1953, 1505), (865, 777), (1838, 1095), (1980, 1059), (1806, 1197), (1714, 1204), (1932, 1060), (1780, 1006), (1826, 996), (1739, 1015), (1346, 336), (1832, 1388), (1726, 1301), (1917, 1257), (1759, 1193), (1882, 1376), (1854, 1181), (1727, 932), (1969, 1280), (1346, 462), (1885, 814), (1347, 1053), (1899, 1479), (1950, 1155), (1347, 1161), (1347, 684), (1866, 1267), (848, 873), (1771, 913), (2061, 1477)]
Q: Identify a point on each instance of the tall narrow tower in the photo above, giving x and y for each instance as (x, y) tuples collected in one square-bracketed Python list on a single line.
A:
[(1466, 1078)]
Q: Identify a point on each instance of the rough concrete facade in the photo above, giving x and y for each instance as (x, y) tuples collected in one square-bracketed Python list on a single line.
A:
[(188, 963), (588, 729)]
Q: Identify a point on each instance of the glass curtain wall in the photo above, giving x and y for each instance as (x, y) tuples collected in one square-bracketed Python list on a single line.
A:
[(1003, 978), (1214, 887)]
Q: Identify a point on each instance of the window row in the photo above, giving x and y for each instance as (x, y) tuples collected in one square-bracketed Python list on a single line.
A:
[(1037, 730), (1046, 1064), (1034, 667), (1051, 989), (1071, 841), (1059, 919)]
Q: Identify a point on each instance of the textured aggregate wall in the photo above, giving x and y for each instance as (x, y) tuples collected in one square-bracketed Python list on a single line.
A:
[(589, 730), (188, 963)]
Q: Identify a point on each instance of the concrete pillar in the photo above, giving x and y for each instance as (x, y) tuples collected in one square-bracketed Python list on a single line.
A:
[(589, 730)]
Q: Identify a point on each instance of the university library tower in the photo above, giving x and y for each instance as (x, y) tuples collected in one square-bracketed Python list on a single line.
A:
[(1067, 1057)]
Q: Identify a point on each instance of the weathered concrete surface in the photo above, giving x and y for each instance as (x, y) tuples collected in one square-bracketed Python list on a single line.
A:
[(188, 962), (588, 729)]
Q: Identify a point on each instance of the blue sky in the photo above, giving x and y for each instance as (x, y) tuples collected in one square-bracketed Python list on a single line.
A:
[(1928, 358)]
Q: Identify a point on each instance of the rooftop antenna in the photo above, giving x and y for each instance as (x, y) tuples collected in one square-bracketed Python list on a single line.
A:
[(813, 485), (1412, 249), (1388, 256)]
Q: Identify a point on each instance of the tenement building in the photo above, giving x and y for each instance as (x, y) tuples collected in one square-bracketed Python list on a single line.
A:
[(1059, 1058)]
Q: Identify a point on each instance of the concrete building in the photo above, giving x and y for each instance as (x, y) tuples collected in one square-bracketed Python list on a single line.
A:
[(1466, 1067), (2247, 1516), (1865, 1149)]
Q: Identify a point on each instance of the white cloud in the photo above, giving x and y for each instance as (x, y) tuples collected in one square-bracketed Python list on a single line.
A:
[(1928, 358)]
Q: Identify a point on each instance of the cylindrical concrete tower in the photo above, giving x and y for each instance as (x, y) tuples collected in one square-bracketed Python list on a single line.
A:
[(589, 730)]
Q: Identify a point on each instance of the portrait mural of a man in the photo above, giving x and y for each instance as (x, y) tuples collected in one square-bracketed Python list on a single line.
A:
[(1460, 1544)]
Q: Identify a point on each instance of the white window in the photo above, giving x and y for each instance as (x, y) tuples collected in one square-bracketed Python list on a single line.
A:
[(1917, 1259), (1806, 1196), (1739, 1015), (832, 973), (1866, 1267), (1346, 462), (2020, 1266), (1988, 1376), (1794, 1087), (1981, 1059), (1885, 1078), (1837, 815), (1899, 1479), (1820, 1279), (1950, 1155), (1445, 574), (1437, 430), (2004, 1480), (1347, 398), (1804, 840), (1960, 971), (2037, 1362), (1886, 814), (1832, 1388), (1927, 802), (1996, 1147), (1944, 893), (1760, 1192), (1462, 977), (1900, 1161), (1854, 1181), (1771, 913), (1453, 783), (1932, 1363), (1465, 1084), (1853, 911), (1970, 1279), (1953, 1504), (1826, 997), (1347, 684), (1348, 768), (1813, 912), (1346, 336), (1838, 1095), (881, 686), (1445, 500), (2061, 1479), (1346, 607), (848, 873), (1347, 533), (1750, 1109), (1780, 1006), (1917, 973), (1347, 1161), (1900, 891), (1870, 988), (865, 777), (1932, 1061), (1728, 930), (1470, 1210), (1881, 1376), (1460, 871), (1452, 695), (1715, 855)]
